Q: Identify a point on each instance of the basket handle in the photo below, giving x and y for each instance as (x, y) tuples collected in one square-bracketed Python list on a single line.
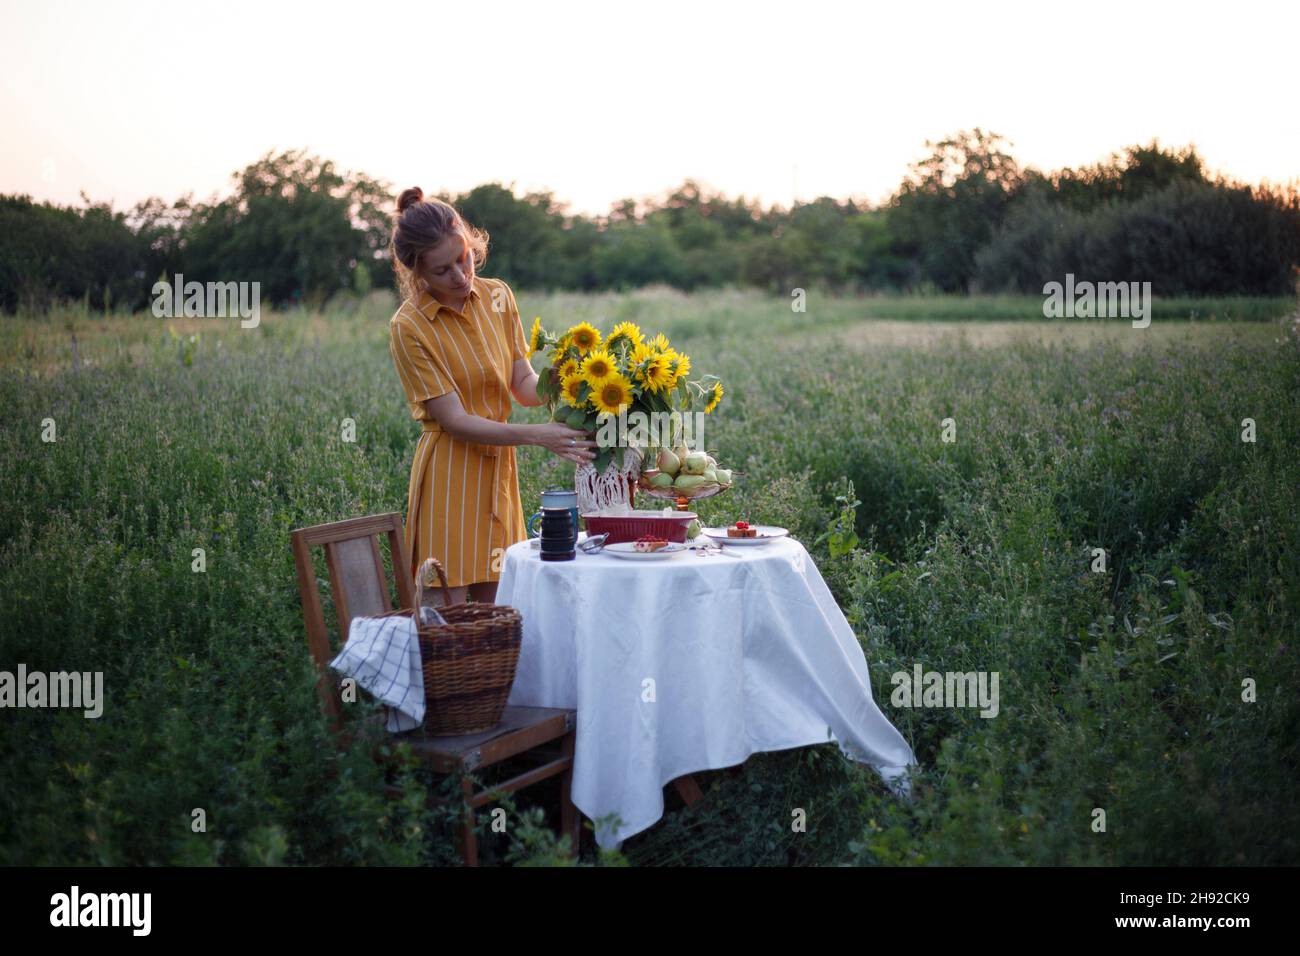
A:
[(423, 573)]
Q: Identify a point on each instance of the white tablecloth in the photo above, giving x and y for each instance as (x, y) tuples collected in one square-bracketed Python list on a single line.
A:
[(686, 664)]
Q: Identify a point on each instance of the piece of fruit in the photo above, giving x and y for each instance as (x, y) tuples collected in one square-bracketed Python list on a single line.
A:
[(723, 475), (693, 529), (710, 475), (688, 482), (695, 463), (661, 480), (669, 462)]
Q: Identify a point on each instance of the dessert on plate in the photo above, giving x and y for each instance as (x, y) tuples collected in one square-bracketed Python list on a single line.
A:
[(648, 542), (742, 529)]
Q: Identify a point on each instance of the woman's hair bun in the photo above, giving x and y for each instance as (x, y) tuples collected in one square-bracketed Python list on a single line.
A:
[(409, 198)]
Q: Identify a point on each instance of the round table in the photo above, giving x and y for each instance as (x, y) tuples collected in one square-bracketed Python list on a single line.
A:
[(689, 663)]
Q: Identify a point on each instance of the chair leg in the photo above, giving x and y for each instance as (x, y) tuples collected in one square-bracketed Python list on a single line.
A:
[(688, 789), (468, 841), (570, 819)]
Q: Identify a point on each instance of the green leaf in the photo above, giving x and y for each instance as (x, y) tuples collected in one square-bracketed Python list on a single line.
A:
[(618, 456), (602, 459), (576, 418)]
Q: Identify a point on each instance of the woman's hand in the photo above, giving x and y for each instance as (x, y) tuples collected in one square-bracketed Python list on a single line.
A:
[(570, 443)]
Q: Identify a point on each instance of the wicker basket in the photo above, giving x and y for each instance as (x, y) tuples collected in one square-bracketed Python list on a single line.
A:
[(468, 663)]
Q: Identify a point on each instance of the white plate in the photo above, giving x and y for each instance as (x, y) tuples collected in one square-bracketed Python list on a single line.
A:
[(627, 549), (766, 534)]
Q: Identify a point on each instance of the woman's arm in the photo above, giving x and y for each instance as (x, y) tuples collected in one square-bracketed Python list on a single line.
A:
[(523, 384), (559, 438)]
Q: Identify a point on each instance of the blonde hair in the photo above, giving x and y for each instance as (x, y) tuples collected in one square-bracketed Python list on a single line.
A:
[(420, 225)]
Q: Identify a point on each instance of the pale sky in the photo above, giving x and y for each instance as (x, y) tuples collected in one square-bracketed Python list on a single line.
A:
[(600, 101)]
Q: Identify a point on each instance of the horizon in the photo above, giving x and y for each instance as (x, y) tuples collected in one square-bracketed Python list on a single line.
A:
[(779, 141), (660, 195)]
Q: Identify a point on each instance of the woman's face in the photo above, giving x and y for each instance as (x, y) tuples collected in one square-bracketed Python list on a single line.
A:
[(448, 268)]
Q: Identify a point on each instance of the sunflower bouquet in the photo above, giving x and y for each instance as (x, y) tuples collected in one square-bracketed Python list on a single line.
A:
[(593, 376)]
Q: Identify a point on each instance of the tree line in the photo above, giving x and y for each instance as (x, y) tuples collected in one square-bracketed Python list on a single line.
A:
[(966, 218)]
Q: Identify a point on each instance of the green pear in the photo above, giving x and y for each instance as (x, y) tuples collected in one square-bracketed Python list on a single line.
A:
[(669, 462), (695, 463)]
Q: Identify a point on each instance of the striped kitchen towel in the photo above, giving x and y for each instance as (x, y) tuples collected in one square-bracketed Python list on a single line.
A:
[(382, 655)]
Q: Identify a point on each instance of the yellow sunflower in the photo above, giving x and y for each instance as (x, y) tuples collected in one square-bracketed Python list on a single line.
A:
[(570, 367), (561, 350), (714, 397), (640, 353), (654, 374), (626, 331), (535, 337), (614, 395), (585, 337), (659, 343), (679, 366), (571, 388), (598, 366), (668, 357)]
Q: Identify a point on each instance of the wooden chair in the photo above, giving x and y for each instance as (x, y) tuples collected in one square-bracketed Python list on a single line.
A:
[(359, 588)]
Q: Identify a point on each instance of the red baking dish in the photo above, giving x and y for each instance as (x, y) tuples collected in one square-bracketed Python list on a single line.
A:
[(629, 527)]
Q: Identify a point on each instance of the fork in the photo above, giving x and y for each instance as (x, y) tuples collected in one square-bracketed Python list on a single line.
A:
[(714, 548)]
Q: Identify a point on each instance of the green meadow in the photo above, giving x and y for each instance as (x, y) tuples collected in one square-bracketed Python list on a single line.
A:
[(1158, 687)]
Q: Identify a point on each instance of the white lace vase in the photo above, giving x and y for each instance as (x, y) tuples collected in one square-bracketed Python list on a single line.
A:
[(615, 487)]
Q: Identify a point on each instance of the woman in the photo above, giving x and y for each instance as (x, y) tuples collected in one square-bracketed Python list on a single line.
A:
[(458, 344)]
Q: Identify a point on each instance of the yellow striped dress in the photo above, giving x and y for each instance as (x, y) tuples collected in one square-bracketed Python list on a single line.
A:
[(463, 504)]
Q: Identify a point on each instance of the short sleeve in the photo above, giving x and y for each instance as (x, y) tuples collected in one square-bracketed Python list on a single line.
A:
[(518, 342), (422, 373)]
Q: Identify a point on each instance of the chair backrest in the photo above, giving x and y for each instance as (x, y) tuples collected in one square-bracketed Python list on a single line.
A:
[(357, 582)]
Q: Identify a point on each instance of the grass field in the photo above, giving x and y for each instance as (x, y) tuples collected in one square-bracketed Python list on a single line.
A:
[(1121, 690)]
